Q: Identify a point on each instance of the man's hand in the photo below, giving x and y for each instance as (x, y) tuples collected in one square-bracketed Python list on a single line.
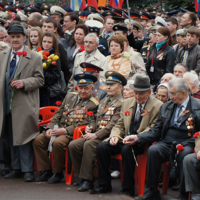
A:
[(48, 133), (18, 84), (114, 140), (130, 140), (90, 136), (59, 131), (88, 129), (198, 155)]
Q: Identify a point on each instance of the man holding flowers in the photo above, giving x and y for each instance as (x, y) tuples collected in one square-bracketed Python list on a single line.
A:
[(71, 114), (83, 150), (21, 75), (138, 115)]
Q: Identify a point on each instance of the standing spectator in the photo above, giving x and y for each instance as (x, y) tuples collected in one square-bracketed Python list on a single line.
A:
[(3, 34), (172, 23), (35, 38), (190, 54), (149, 24), (33, 23), (179, 70), (35, 16), (193, 82), (118, 61), (70, 22), (27, 75), (188, 19), (107, 32), (161, 59), (51, 74), (50, 24), (90, 55), (77, 41)]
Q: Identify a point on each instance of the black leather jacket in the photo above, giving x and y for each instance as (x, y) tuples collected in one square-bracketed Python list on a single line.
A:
[(163, 63), (159, 130)]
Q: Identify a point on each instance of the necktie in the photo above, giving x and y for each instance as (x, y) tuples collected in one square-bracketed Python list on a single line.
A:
[(137, 115), (78, 101), (179, 113), (13, 64)]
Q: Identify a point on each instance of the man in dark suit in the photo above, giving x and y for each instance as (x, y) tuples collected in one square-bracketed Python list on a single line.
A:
[(178, 120)]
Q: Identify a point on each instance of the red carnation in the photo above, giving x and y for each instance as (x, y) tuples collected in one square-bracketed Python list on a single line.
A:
[(196, 135), (45, 58), (24, 53), (180, 147), (82, 48), (58, 103), (90, 113), (19, 53), (127, 113), (39, 49), (54, 63), (76, 87)]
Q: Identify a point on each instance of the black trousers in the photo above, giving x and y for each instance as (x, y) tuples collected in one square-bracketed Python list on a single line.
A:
[(156, 155), (104, 153)]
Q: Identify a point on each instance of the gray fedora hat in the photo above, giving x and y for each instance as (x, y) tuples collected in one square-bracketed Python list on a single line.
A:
[(142, 83)]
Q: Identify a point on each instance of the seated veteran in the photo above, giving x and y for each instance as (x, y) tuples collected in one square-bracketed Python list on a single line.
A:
[(163, 92), (193, 82), (83, 150), (118, 61), (71, 114), (177, 122), (138, 115), (128, 91), (191, 168), (99, 91)]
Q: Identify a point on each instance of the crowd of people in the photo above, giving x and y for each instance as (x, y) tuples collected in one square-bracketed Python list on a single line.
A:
[(132, 80)]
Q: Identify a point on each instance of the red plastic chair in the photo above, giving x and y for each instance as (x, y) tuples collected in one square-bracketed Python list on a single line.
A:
[(140, 171), (76, 135), (47, 114)]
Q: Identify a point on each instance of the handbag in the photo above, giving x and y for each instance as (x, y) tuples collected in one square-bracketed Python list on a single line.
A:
[(59, 87)]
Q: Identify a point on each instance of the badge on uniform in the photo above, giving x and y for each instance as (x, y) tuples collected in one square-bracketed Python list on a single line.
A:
[(190, 126), (152, 68)]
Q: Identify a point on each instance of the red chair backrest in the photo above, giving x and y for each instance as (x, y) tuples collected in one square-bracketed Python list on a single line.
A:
[(47, 112)]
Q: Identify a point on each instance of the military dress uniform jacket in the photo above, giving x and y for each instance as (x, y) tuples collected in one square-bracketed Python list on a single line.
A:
[(99, 92), (158, 132), (148, 121), (107, 116), (97, 59), (72, 114)]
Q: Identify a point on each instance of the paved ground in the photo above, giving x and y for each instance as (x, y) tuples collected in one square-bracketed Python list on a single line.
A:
[(19, 190)]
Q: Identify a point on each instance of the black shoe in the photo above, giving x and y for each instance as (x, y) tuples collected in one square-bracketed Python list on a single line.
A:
[(152, 194), (79, 183), (45, 176), (176, 187), (102, 189), (127, 192), (56, 178), (183, 196), (4, 172), (87, 185), (13, 174), (28, 177)]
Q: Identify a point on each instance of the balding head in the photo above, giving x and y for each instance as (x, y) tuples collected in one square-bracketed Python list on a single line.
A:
[(167, 77), (35, 15)]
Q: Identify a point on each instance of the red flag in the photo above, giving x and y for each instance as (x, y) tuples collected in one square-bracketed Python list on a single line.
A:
[(92, 3), (83, 5), (116, 3), (197, 8)]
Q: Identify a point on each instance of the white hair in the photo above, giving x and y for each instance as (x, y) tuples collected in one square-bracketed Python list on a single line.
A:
[(192, 77), (179, 84), (130, 82), (92, 35), (2, 29)]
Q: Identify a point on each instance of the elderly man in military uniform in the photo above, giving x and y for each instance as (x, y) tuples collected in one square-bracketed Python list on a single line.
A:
[(99, 91), (138, 115), (90, 55), (83, 150), (71, 114)]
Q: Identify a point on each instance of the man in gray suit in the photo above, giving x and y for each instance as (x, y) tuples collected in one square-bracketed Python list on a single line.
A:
[(21, 75)]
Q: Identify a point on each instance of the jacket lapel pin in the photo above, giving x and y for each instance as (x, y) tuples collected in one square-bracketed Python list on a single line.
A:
[(145, 112), (185, 112)]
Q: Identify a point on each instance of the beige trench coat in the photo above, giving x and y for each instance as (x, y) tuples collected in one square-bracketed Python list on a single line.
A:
[(25, 107)]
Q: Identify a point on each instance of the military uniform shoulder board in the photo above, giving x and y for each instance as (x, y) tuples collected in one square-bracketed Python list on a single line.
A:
[(121, 99), (74, 92), (101, 87), (94, 101)]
